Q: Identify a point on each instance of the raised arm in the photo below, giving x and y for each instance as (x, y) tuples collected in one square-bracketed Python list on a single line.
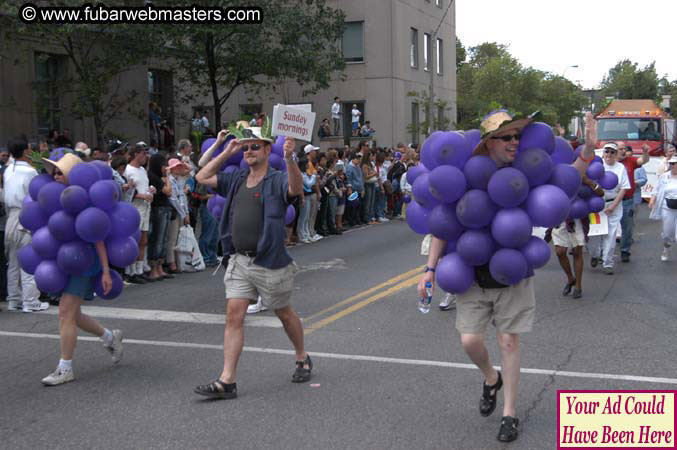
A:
[(588, 152), (207, 176), (293, 171), (645, 156)]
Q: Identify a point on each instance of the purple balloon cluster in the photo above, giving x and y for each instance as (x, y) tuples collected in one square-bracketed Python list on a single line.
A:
[(215, 206), (65, 222), (585, 200), (487, 213)]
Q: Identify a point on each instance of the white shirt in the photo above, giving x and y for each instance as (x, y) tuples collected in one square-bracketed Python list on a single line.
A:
[(205, 122), (139, 177), (671, 188), (336, 111), (16, 179), (623, 180), (356, 115)]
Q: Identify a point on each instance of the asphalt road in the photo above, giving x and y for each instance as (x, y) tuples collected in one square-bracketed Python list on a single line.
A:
[(386, 376)]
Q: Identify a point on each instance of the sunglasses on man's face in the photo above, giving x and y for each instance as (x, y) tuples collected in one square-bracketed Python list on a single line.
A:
[(57, 172), (673, 164), (508, 138), (253, 147), (608, 150)]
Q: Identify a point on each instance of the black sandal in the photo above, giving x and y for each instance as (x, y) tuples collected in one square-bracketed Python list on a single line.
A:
[(488, 400), (508, 431), (567, 288), (301, 374), (217, 389)]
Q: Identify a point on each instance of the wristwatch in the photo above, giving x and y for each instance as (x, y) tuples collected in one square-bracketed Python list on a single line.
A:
[(294, 157), (428, 269)]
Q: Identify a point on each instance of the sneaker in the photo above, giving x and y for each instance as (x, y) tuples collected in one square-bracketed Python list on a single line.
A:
[(609, 270), (664, 256), (116, 347), (383, 219), (13, 306), (316, 238), (593, 262), (59, 376), (448, 302), (256, 307), (35, 306), (305, 241), (625, 257)]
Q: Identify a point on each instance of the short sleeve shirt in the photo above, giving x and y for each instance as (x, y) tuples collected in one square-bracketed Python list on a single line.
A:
[(623, 181)]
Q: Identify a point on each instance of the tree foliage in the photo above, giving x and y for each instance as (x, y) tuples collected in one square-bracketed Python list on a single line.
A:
[(626, 80)]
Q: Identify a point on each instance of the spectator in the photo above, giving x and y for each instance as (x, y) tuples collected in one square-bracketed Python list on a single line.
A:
[(64, 139), (324, 130), (309, 182), (142, 196), (367, 130), (83, 151), (185, 151), (663, 165), (118, 165), (332, 192), (208, 241), (370, 184), (311, 153), (4, 157), (354, 180), (336, 115), (355, 115), (252, 123), (261, 119), (154, 121), (341, 198), (178, 174), (99, 155), (397, 169), (160, 216)]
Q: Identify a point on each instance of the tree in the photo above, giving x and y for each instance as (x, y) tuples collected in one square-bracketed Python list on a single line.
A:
[(298, 40), (98, 54), (440, 119), (627, 81), (461, 54)]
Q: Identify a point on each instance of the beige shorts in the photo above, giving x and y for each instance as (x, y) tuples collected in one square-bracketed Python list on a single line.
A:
[(244, 279), (144, 211), (511, 309), (562, 238)]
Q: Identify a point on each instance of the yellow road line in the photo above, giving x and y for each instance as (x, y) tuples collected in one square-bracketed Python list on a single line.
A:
[(364, 293), (359, 305)]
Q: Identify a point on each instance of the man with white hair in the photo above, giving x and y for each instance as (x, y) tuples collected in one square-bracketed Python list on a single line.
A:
[(83, 149)]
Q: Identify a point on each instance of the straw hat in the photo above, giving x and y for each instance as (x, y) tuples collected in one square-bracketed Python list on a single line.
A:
[(65, 164), (497, 122)]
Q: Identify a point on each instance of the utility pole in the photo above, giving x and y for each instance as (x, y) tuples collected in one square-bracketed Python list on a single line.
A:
[(432, 56)]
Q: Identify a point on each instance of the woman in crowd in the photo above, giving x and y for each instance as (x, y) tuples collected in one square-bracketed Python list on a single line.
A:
[(663, 165), (309, 181), (178, 173), (381, 191), (341, 199), (160, 216), (78, 288), (118, 165), (370, 183), (664, 206)]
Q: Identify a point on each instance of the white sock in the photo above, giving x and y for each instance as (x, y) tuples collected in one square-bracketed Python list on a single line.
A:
[(139, 267), (66, 364), (107, 337)]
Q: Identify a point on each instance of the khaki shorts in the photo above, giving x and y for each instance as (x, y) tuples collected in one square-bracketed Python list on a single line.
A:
[(144, 211), (511, 309), (244, 279), (562, 238)]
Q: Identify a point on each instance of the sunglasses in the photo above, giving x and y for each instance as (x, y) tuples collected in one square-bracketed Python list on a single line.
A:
[(57, 172), (254, 147), (508, 138), (673, 164), (609, 151)]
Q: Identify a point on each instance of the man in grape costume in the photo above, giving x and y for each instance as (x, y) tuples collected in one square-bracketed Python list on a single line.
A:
[(510, 308)]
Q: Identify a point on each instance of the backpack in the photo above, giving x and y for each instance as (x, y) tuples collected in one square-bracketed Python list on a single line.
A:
[(396, 171)]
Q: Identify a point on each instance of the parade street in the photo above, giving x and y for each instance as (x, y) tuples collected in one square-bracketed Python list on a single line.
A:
[(385, 376)]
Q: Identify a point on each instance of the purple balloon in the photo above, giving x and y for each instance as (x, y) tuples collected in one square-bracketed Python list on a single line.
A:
[(406, 198), (62, 226), (547, 206), (232, 168), (473, 137), (93, 225), (74, 199), (105, 171), (49, 278), (537, 135), (414, 172), (511, 227), (243, 164), (596, 204), (478, 171), (217, 212), (585, 192), (234, 159), (275, 161), (124, 219), (211, 202), (608, 181), (83, 175), (508, 266), (137, 235), (417, 218), (290, 215), (536, 164), (32, 217), (577, 152), (579, 209), (564, 152), (595, 171), (75, 257), (428, 151), (122, 251), (37, 183), (57, 153), (475, 209), (508, 187), (450, 148), (45, 244), (447, 183), (442, 222), (453, 274), (116, 289), (49, 195), (536, 252), (567, 178), (104, 194), (476, 247), (598, 159), (421, 191), (28, 259), (450, 248), (278, 146)]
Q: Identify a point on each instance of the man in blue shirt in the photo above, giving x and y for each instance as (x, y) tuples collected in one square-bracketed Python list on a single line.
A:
[(252, 232)]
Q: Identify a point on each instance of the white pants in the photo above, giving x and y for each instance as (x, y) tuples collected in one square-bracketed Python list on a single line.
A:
[(20, 285), (605, 246), (669, 225)]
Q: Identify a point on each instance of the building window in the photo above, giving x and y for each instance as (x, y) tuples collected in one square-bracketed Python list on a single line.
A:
[(415, 123), (440, 60), (161, 97), (352, 43), (426, 51), (441, 125), (49, 70), (413, 50)]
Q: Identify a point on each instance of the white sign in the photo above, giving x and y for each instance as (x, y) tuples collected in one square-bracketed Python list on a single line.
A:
[(293, 122), (650, 169), (599, 224)]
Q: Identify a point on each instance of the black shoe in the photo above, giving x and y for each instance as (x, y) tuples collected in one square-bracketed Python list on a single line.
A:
[(137, 279), (593, 262), (567, 288), (488, 400), (625, 257), (509, 430), (217, 389), (301, 374)]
